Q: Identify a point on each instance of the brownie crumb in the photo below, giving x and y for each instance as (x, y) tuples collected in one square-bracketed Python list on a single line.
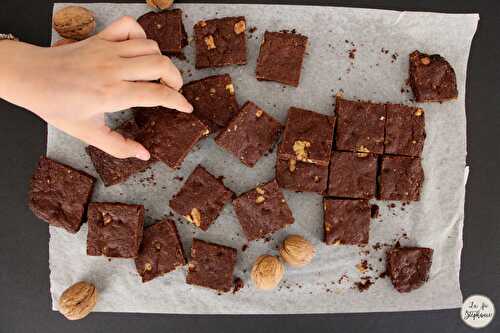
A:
[(375, 210), (238, 284), (383, 274), (364, 284), (352, 53), (252, 30), (244, 247)]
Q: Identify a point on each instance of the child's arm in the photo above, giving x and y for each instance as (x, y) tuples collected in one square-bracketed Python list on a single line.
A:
[(72, 86)]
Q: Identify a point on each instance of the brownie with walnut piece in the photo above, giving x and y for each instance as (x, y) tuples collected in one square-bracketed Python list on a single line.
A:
[(167, 29), (281, 57), (114, 170), (250, 134), (308, 137), (220, 42), (213, 99), (160, 251), (114, 229), (169, 135), (211, 265), (404, 130), (346, 222), (408, 267), (301, 177), (401, 178), (360, 126), (201, 199), (59, 194), (432, 79), (352, 175), (262, 211)]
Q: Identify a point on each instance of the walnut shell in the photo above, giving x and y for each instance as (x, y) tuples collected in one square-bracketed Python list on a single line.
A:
[(77, 301), (160, 4), (297, 251), (267, 272), (74, 22)]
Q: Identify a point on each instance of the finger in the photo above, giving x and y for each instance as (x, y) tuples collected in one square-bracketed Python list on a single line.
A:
[(122, 29), (151, 67), (115, 144), (137, 47), (148, 94)]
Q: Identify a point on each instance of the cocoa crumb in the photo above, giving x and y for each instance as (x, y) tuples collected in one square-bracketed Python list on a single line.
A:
[(375, 209), (238, 284)]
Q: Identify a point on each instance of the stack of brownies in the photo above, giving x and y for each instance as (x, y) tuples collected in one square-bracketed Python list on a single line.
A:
[(366, 151)]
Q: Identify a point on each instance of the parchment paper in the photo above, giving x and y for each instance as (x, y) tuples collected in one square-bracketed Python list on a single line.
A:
[(327, 284)]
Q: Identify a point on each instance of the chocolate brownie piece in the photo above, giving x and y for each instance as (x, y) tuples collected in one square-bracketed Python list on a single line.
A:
[(280, 58), (220, 42), (308, 137), (167, 29), (360, 126), (211, 266), (301, 177), (201, 199), (346, 222), (262, 211), (114, 170), (401, 178), (432, 78), (250, 134), (59, 194), (352, 175), (167, 134), (160, 251), (115, 229), (404, 130), (408, 267), (213, 100)]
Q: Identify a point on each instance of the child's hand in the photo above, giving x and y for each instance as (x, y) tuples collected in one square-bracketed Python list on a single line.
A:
[(72, 86)]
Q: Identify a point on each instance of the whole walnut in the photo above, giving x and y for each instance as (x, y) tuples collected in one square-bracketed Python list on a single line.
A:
[(74, 22), (267, 272), (297, 251), (160, 4), (77, 301)]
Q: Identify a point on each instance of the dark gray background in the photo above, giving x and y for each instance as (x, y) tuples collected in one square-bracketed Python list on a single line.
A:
[(24, 277)]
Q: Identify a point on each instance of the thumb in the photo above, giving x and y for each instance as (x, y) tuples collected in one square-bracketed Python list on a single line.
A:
[(115, 144)]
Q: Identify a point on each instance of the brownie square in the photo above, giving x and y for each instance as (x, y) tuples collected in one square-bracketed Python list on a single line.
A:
[(432, 78), (301, 177), (346, 222), (211, 265), (115, 229), (408, 267), (167, 134), (404, 130), (160, 251), (213, 100), (360, 126), (220, 42), (116, 170), (262, 211), (59, 194), (352, 175), (401, 178), (280, 58), (308, 137), (250, 134), (201, 199), (167, 29)]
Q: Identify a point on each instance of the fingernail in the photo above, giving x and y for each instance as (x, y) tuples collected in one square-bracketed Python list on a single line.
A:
[(143, 155), (189, 109)]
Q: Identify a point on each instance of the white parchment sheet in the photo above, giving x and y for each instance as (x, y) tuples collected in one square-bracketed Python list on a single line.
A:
[(383, 40)]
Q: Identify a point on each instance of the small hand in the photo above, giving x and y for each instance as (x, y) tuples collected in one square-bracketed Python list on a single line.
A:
[(73, 86)]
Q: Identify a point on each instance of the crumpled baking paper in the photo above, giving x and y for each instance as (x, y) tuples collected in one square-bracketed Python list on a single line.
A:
[(380, 42)]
